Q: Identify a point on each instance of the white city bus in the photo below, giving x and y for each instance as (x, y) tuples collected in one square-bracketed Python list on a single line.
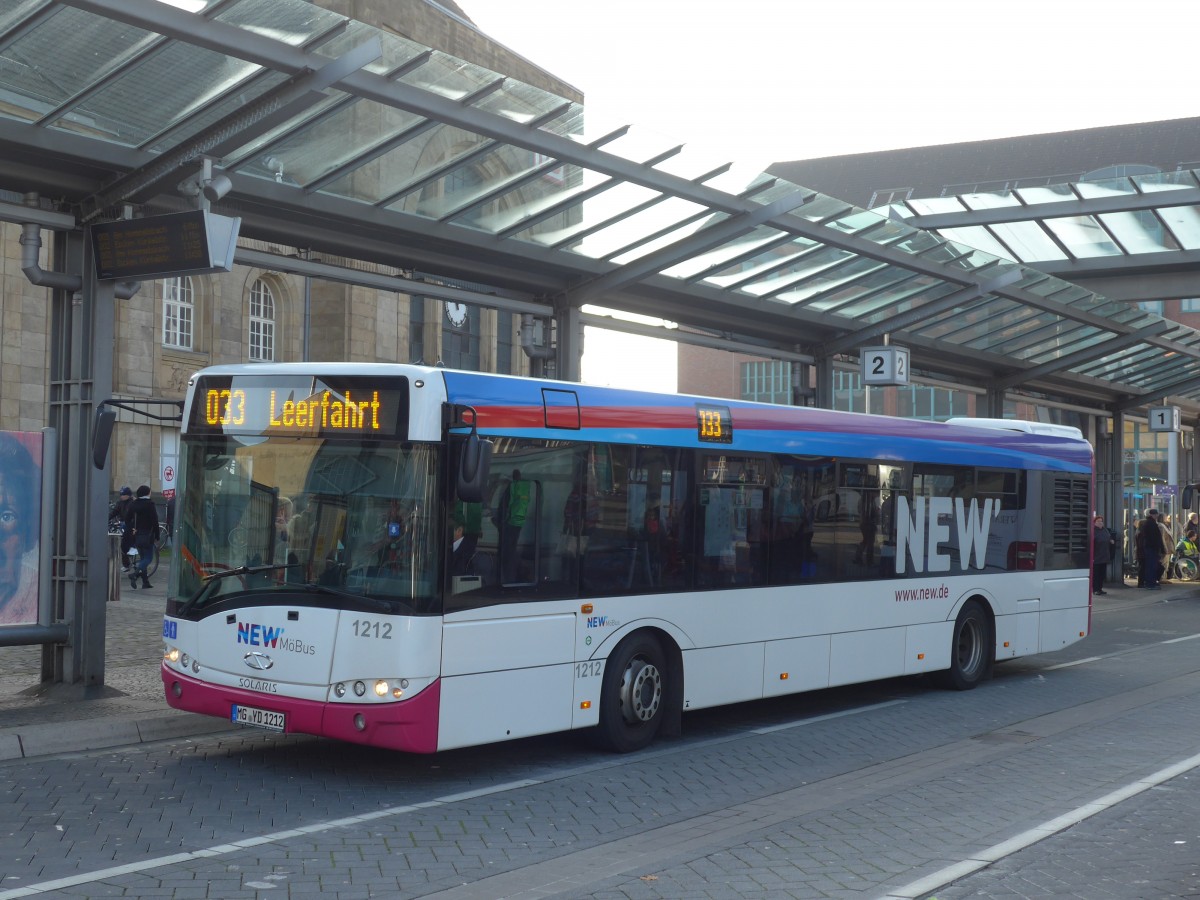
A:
[(420, 559)]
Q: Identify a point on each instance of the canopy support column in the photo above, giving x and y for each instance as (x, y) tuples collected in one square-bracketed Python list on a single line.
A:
[(995, 404), (823, 366)]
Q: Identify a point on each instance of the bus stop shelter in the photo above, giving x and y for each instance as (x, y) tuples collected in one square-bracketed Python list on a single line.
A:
[(321, 134)]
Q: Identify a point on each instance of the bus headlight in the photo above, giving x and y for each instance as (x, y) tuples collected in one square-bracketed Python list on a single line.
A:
[(171, 654), (339, 690), (381, 688), (360, 688)]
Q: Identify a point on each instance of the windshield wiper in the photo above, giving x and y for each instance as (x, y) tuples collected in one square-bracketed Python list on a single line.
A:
[(208, 582)]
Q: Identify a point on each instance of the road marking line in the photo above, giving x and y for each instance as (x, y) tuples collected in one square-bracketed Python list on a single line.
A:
[(223, 849), (1031, 836), (837, 715), (299, 831), (1076, 662), (1190, 637)]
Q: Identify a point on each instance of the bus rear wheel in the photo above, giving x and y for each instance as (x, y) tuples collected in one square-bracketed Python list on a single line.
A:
[(632, 694), (971, 648)]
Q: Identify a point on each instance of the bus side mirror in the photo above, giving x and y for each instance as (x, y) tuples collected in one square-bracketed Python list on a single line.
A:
[(106, 418), (474, 465), (1189, 491)]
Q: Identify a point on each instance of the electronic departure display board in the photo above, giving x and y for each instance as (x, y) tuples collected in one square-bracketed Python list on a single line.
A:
[(353, 407), (188, 243)]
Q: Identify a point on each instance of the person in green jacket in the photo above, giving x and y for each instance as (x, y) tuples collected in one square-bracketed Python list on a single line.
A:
[(514, 508)]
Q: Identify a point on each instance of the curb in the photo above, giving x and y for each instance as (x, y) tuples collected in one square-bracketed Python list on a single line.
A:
[(55, 738)]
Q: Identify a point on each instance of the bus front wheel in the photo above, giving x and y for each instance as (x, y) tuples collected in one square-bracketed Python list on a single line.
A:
[(632, 694), (971, 648)]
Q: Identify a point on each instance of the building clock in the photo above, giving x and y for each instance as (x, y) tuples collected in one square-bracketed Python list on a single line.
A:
[(456, 313)]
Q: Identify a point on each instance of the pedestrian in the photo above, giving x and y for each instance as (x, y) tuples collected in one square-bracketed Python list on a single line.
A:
[(1150, 550), (1139, 565), (142, 523), (121, 513), (1103, 545), (514, 507), (1168, 540)]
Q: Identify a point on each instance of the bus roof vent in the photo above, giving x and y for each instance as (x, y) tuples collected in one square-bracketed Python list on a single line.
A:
[(1066, 431)]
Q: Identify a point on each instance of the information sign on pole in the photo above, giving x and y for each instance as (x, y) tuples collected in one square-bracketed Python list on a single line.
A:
[(1165, 418), (884, 365)]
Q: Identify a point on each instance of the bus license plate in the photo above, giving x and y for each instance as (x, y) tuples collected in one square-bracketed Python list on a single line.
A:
[(258, 718)]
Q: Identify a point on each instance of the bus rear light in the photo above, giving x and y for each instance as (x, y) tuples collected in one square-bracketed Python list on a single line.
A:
[(1022, 556)]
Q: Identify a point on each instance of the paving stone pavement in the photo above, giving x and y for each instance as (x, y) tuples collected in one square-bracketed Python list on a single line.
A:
[(129, 709), (847, 808)]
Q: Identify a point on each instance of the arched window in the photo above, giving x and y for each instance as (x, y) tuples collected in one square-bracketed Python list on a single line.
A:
[(178, 313), (262, 322)]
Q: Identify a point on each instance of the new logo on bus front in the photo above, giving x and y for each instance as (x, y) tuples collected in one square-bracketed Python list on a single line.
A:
[(932, 523), (269, 636)]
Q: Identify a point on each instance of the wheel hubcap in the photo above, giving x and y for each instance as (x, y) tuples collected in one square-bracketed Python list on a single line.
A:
[(970, 647), (641, 692)]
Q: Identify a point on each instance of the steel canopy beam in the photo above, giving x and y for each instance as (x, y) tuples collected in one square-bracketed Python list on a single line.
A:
[(700, 242), (1080, 356), (1091, 206)]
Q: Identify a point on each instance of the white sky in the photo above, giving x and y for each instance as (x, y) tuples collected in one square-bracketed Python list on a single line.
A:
[(767, 80)]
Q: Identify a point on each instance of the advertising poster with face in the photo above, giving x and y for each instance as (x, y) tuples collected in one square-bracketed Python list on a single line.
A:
[(20, 525)]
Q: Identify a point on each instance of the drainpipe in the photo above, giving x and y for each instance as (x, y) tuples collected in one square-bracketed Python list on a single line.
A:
[(537, 354), (31, 250), (528, 330)]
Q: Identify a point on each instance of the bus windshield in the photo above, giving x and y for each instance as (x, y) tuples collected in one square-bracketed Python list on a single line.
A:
[(343, 521)]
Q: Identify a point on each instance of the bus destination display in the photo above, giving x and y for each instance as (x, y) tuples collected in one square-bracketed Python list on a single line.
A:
[(343, 407), (714, 424)]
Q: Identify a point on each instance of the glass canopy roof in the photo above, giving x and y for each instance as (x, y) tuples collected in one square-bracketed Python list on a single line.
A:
[(1114, 217), (349, 139)]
